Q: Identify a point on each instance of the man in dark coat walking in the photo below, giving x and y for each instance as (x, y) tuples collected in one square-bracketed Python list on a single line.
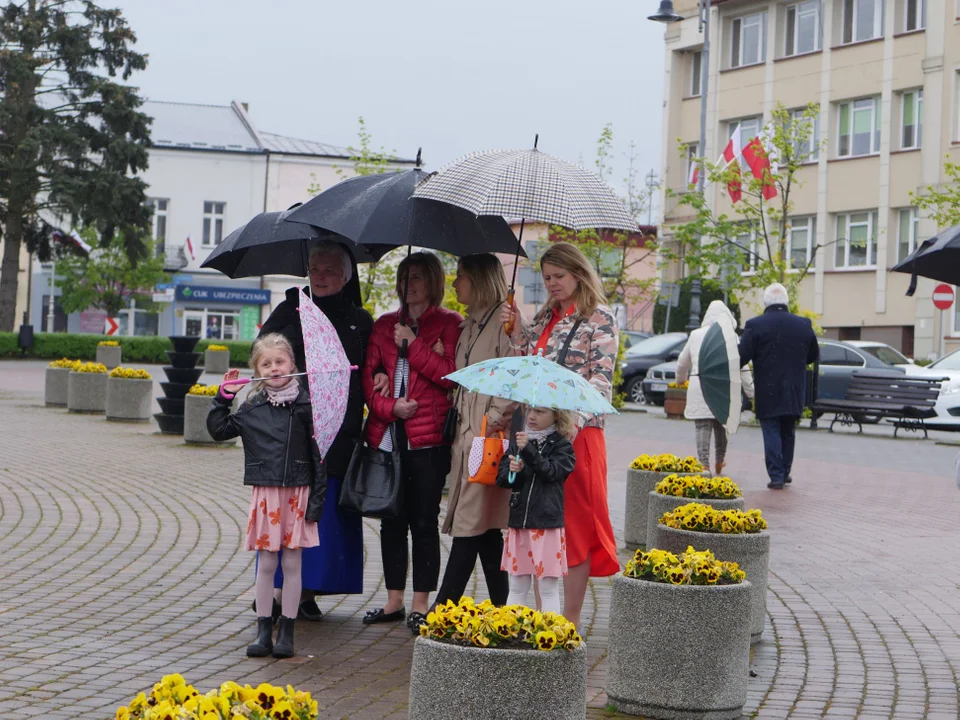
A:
[(780, 345)]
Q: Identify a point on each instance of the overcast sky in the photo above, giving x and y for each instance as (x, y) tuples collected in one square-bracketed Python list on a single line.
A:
[(450, 76)]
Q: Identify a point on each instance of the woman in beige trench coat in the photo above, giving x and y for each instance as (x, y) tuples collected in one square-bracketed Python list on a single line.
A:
[(477, 514)]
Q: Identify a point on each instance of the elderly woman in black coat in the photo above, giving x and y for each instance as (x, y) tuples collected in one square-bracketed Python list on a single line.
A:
[(336, 565)]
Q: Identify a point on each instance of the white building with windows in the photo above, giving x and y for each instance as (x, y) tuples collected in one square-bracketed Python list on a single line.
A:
[(886, 77), (210, 171)]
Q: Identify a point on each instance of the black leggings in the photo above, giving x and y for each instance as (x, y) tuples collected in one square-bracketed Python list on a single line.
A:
[(424, 473), (463, 558)]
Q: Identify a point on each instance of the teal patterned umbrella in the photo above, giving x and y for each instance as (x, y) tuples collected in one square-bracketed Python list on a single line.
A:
[(534, 381)]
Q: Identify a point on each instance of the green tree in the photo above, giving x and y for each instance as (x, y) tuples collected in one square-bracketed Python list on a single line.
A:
[(942, 202), (107, 279), (710, 290), (73, 139), (714, 244)]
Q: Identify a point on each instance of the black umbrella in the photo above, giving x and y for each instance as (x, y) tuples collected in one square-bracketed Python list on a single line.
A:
[(937, 258)]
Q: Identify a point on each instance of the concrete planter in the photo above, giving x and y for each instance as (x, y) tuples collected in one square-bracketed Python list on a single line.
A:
[(640, 483), (216, 361), (129, 399), (195, 411), (87, 392), (751, 551), (55, 385), (109, 355), (679, 651), (674, 403), (479, 683), (659, 504)]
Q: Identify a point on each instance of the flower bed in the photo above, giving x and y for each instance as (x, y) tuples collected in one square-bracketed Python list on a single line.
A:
[(216, 359), (173, 698), (56, 382), (87, 388), (536, 662), (109, 353), (642, 477), (732, 535), (720, 493), (679, 637)]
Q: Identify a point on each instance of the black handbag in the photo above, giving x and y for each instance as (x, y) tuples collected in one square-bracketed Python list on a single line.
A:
[(318, 493), (373, 484)]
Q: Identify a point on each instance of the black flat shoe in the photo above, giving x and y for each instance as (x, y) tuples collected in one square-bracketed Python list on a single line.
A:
[(775, 485), (415, 620), (275, 612), (309, 610), (788, 480), (379, 616)]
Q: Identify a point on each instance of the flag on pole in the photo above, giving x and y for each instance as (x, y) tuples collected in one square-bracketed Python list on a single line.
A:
[(189, 246), (757, 155), (694, 173), (72, 240), (730, 154)]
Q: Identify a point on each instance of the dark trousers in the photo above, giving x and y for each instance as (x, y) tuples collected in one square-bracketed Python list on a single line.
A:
[(778, 443), (424, 473), (464, 552)]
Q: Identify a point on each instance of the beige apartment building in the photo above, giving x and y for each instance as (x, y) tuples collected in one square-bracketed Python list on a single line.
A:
[(886, 76)]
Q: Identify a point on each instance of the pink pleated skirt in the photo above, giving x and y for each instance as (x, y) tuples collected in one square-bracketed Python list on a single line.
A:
[(542, 553), (276, 519)]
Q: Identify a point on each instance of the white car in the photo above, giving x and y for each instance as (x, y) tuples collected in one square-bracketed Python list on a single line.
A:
[(884, 353), (948, 404)]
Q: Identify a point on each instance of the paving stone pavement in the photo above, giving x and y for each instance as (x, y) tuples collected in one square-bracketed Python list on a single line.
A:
[(122, 562)]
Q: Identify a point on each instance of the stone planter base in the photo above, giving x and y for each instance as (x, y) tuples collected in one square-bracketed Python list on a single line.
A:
[(195, 411), (750, 551), (109, 356), (216, 361), (674, 403), (129, 399), (659, 504), (679, 651), (454, 681), (640, 483), (55, 386), (87, 392)]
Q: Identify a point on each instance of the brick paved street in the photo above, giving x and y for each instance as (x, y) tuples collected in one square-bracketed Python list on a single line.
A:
[(122, 562)]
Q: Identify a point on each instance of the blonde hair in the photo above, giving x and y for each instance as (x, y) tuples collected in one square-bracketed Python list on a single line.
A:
[(273, 341), (487, 280), (433, 269), (565, 420), (589, 293)]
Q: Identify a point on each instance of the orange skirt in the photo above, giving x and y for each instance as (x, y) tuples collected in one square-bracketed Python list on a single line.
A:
[(587, 525)]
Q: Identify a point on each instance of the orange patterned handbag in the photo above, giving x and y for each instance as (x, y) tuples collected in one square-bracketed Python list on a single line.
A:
[(485, 453)]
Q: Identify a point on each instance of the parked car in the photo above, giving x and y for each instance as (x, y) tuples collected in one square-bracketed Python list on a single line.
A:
[(948, 403), (633, 337), (644, 355), (839, 361), (883, 352), (655, 384)]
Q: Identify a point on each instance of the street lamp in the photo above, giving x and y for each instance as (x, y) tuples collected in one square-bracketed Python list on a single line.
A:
[(666, 14)]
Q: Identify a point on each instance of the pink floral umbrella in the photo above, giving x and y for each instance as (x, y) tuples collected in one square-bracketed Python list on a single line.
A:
[(328, 373)]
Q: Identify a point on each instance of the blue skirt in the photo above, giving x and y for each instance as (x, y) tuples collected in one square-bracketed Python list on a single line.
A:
[(335, 566)]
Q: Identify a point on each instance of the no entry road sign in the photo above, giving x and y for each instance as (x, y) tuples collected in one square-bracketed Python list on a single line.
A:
[(942, 296)]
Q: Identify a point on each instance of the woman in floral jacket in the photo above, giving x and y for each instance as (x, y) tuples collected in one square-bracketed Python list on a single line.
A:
[(576, 307)]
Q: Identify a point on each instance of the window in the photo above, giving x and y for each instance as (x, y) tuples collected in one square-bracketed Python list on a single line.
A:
[(911, 106), (802, 32), (907, 233), (807, 149), (916, 11), (749, 128), (862, 20), (159, 223), (859, 127), (213, 222), (696, 73), (750, 250), (831, 354), (856, 240), (801, 238), (746, 39)]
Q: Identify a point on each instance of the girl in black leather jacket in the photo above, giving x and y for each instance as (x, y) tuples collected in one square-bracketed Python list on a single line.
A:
[(288, 479), (535, 545)]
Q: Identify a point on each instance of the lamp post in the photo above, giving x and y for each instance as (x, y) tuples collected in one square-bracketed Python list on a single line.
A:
[(666, 14)]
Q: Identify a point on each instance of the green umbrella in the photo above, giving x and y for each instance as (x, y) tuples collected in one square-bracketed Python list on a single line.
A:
[(719, 373)]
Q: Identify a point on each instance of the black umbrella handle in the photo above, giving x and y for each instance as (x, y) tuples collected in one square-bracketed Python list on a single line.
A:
[(403, 348)]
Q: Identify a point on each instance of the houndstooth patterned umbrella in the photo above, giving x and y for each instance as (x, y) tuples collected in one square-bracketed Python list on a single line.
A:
[(528, 184)]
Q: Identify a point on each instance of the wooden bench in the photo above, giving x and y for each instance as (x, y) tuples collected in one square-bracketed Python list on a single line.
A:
[(909, 400)]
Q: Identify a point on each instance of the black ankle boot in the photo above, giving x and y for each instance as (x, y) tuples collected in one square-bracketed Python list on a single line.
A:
[(284, 646), (264, 642)]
